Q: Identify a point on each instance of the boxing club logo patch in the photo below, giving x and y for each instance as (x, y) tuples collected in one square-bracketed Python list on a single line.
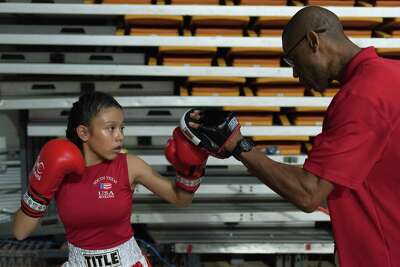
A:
[(109, 259), (38, 169), (104, 186)]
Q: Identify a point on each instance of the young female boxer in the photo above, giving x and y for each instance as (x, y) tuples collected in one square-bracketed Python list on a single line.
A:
[(92, 183)]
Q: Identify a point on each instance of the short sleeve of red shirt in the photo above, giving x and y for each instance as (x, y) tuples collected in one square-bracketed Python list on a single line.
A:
[(352, 140)]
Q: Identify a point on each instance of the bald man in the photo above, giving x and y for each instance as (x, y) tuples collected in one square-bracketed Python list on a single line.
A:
[(353, 162)]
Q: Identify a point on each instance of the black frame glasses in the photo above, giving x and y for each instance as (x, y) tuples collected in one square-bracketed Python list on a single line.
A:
[(286, 58)]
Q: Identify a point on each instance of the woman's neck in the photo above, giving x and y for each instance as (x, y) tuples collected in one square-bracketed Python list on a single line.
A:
[(91, 158)]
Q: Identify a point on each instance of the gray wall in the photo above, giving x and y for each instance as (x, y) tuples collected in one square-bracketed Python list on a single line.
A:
[(9, 128)]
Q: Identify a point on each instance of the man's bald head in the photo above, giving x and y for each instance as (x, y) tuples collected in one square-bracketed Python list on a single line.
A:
[(308, 19), (316, 47)]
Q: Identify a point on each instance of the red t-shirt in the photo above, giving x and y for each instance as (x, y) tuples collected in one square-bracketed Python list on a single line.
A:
[(96, 208), (359, 151)]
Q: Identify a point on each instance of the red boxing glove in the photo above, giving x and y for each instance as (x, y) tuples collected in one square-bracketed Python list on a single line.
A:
[(188, 160), (57, 159)]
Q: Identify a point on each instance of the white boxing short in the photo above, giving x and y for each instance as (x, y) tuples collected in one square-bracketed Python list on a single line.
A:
[(127, 254)]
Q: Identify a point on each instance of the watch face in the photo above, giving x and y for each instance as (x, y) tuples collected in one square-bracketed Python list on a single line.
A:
[(246, 145)]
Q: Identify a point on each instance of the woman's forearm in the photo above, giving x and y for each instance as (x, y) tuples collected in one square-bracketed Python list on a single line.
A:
[(23, 225)]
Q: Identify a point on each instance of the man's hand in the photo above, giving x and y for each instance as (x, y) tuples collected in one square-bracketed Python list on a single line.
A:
[(215, 130)]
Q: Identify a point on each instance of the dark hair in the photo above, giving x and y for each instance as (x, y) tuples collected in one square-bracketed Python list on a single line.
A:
[(84, 110)]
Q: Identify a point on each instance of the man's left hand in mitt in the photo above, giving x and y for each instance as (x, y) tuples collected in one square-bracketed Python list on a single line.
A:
[(215, 130)]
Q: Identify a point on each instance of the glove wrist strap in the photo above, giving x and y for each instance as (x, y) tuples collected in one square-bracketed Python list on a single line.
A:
[(189, 185)]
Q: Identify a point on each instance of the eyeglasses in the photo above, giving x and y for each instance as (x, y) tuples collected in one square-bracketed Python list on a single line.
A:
[(286, 58)]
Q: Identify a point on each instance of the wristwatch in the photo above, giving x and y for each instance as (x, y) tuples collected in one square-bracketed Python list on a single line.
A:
[(243, 145)]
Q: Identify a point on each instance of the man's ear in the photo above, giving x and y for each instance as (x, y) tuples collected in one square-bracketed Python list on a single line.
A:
[(83, 132), (313, 40)]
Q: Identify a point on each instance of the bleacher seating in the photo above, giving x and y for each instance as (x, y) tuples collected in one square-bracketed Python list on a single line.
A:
[(149, 83)]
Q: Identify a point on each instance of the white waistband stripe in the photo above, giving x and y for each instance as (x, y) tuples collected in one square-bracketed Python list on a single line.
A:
[(125, 255)]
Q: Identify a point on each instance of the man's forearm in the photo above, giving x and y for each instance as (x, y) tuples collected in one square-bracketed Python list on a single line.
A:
[(291, 182), (298, 186)]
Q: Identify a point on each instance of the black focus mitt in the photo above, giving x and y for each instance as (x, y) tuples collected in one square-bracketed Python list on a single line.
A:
[(216, 127)]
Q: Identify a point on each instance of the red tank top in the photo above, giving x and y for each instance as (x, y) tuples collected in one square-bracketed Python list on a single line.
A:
[(96, 207)]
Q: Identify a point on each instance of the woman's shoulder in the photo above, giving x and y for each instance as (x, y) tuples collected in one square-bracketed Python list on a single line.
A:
[(137, 167), (131, 157), (135, 161)]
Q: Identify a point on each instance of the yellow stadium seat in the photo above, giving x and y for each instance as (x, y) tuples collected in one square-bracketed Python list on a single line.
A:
[(215, 80), (388, 51), (360, 22), (264, 2), (384, 3), (260, 57), (154, 25), (255, 62), (186, 61), (158, 21), (330, 92), (219, 25), (310, 109), (396, 34), (358, 33), (308, 120), (283, 119), (215, 86), (272, 21), (194, 2), (184, 55), (254, 120), (215, 91), (154, 31), (218, 32), (220, 21), (255, 51), (133, 2), (280, 91), (330, 3), (270, 32), (276, 80), (360, 27)]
